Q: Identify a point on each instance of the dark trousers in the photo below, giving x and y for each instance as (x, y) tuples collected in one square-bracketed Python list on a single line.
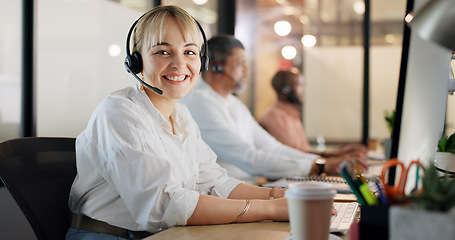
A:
[(79, 234)]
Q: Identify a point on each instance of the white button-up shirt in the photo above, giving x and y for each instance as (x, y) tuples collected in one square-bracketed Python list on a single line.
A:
[(133, 172), (243, 147)]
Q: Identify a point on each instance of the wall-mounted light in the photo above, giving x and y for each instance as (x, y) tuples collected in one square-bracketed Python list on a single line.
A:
[(200, 2), (389, 38), (282, 28), (288, 52), (114, 50), (359, 7), (308, 40)]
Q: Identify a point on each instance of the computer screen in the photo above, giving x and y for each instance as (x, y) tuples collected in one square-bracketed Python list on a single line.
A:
[(422, 97)]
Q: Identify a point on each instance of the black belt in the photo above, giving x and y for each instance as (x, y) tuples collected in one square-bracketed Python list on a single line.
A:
[(89, 224)]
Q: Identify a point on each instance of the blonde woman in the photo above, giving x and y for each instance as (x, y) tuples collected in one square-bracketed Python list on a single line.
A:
[(142, 165)]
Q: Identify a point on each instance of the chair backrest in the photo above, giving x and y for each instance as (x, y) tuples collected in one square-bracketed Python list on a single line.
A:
[(39, 171)]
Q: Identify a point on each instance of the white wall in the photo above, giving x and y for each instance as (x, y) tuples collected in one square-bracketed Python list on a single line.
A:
[(73, 73), (10, 68), (334, 97), (74, 70)]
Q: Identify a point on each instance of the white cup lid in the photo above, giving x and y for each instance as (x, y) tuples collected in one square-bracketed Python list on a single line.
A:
[(310, 190)]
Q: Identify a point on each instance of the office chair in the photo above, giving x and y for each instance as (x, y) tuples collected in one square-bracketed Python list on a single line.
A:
[(39, 171)]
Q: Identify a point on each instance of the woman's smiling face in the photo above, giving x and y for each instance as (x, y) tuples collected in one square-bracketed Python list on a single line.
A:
[(172, 65)]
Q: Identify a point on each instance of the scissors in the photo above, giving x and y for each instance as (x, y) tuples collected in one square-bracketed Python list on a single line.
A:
[(397, 191)]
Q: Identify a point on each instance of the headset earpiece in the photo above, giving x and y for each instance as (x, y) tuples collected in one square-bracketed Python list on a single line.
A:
[(285, 89), (216, 67), (204, 63), (134, 62), (204, 51)]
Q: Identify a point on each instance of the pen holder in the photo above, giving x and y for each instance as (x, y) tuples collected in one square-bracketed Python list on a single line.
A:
[(374, 222)]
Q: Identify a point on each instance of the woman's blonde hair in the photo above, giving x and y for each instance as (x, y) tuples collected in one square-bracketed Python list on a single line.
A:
[(151, 28)]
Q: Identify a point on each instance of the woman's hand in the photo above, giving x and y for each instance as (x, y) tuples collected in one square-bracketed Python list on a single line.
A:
[(279, 210)]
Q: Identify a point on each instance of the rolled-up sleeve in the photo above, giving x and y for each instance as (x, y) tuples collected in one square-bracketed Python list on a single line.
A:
[(213, 179), (132, 173), (146, 186)]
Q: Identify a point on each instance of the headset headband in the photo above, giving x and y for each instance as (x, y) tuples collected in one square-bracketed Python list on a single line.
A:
[(204, 55)]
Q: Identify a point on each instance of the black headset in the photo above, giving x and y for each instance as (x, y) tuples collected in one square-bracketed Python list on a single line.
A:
[(133, 62), (288, 91), (216, 67)]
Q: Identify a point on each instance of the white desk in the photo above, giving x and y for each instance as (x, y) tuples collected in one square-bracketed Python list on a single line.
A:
[(237, 231), (248, 231)]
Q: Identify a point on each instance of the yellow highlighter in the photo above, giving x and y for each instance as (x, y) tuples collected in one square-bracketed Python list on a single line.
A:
[(368, 195), (364, 189)]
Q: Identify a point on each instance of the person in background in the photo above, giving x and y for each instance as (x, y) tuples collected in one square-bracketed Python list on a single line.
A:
[(243, 147), (142, 165), (283, 119)]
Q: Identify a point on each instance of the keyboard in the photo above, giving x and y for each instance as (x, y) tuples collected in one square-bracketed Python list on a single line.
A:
[(345, 216), (337, 182)]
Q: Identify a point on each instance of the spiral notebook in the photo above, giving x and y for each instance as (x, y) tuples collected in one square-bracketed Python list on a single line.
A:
[(338, 183)]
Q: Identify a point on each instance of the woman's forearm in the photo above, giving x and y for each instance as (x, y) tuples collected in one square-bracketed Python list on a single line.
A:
[(215, 210), (247, 191)]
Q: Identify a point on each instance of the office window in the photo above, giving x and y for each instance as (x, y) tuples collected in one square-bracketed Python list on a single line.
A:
[(205, 12), (80, 55), (333, 67), (10, 68), (80, 59)]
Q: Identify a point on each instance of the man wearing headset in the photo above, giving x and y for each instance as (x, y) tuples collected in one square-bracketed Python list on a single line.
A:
[(243, 147)]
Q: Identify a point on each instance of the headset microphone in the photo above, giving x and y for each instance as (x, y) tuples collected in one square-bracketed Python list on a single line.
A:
[(133, 62), (237, 82), (217, 67), (157, 90)]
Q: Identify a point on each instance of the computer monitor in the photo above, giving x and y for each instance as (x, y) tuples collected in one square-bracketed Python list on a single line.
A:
[(421, 98)]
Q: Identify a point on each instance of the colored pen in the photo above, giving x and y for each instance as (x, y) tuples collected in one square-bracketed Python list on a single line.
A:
[(368, 195), (363, 186), (381, 195), (344, 173), (359, 173)]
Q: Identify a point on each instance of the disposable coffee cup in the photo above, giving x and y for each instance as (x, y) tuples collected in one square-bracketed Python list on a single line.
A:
[(310, 210)]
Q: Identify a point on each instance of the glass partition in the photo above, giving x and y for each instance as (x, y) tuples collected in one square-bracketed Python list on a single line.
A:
[(80, 55), (10, 68), (81, 47), (333, 66)]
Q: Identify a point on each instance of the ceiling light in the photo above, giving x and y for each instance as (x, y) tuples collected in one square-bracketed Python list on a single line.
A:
[(282, 28), (359, 7), (288, 52), (308, 40), (200, 2), (114, 50)]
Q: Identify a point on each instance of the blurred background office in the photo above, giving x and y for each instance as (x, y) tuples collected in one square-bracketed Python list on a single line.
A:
[(78, 47), (60, 58)]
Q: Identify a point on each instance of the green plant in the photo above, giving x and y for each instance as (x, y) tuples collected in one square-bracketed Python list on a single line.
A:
[(438, 193), (447, 144), (389, 119)]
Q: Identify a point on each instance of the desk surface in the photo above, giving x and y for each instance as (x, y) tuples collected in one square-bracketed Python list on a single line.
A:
[(249, 231)]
